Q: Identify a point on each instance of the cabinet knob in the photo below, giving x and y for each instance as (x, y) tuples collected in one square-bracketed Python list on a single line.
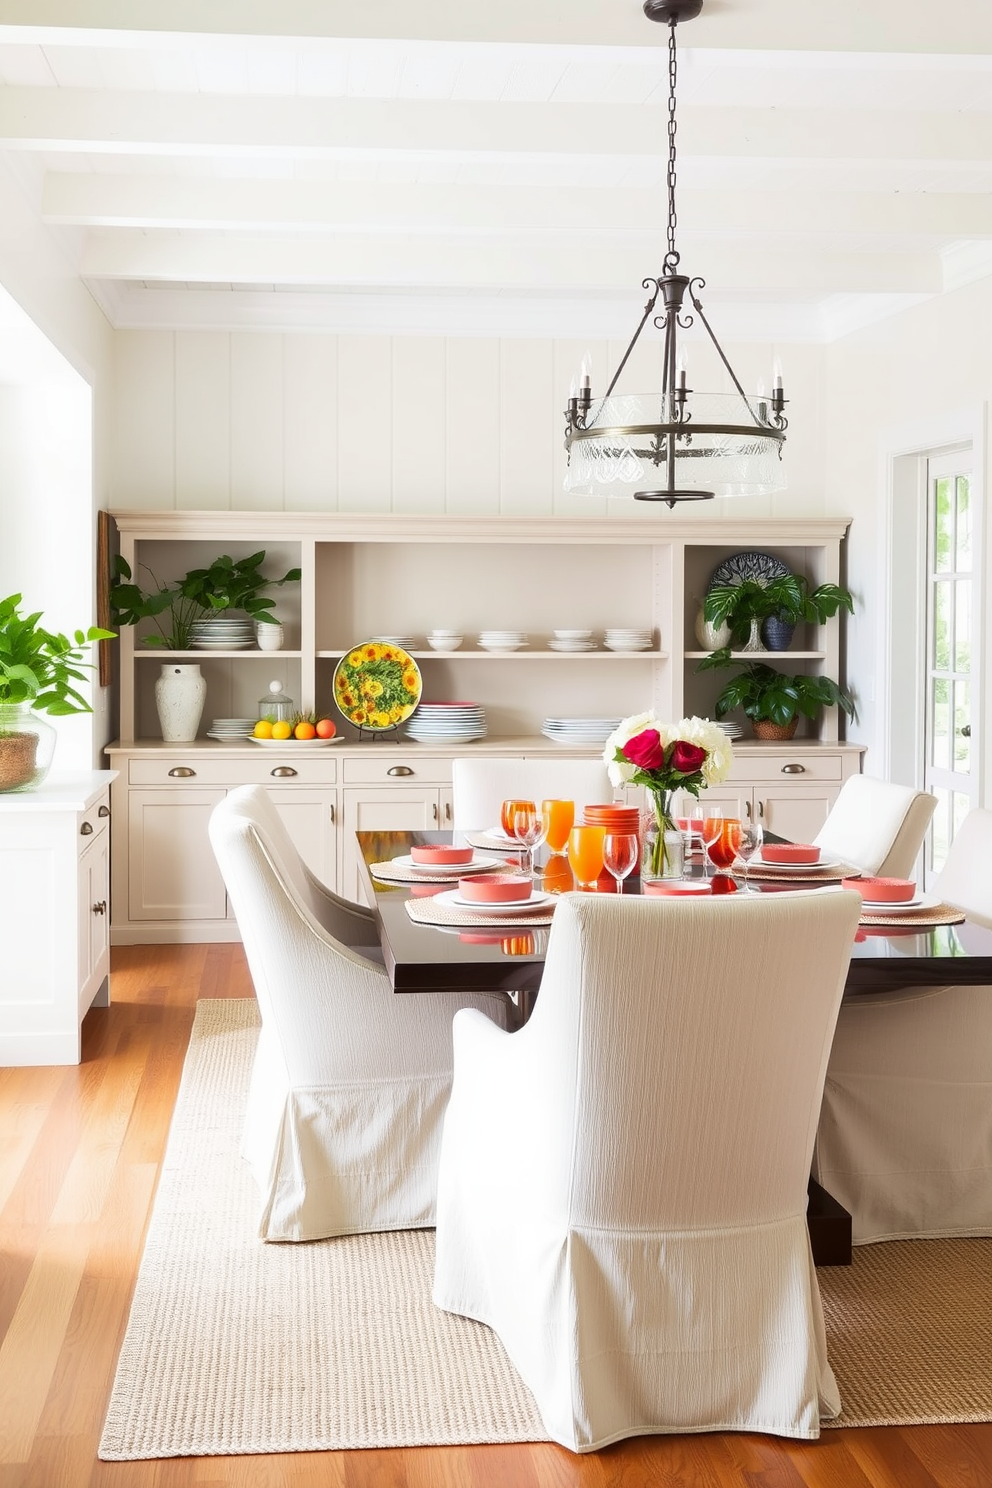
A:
[(399, 770), (104, 811), (793, 769), (86, 830), (281, 771), (181, 772), (100, 907)]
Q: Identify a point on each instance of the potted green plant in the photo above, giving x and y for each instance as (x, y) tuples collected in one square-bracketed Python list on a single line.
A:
[(772, 609), (228, 584), (774, 701), (37, 670)]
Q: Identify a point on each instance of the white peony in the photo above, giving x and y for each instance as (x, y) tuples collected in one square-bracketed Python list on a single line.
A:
[(700, 731)]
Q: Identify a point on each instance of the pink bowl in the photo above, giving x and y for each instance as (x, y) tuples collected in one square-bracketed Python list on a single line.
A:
[(442, 856), (882, 890), (790, 852), (495, 888), (689, 888)]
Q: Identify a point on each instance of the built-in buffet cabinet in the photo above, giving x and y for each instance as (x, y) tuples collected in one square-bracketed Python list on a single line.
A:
[(366, 575)]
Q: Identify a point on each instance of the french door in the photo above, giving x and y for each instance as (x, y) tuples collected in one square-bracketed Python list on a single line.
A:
[(950, 743)]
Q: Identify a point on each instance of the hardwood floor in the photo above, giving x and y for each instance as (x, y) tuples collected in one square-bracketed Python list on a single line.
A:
[(80, 1150)]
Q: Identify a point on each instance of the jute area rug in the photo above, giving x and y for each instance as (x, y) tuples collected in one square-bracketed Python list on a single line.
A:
[(234, 1346)]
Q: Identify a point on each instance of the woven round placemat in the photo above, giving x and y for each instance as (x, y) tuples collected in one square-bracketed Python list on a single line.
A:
[(490, 844), (789, 875), (400, 873), (942, 914), (429, 912)]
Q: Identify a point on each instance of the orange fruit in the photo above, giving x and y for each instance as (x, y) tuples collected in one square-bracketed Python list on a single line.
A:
[(282, 730), (305, 730), (263, 729), (326, 728)]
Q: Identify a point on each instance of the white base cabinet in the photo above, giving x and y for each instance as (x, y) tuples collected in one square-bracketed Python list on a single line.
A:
[(54, 915)]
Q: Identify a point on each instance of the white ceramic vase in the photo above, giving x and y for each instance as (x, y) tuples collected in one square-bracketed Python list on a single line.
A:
[(180, 692), (711, 637)]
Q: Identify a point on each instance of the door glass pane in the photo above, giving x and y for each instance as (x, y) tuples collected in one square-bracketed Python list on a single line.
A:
[(941, 627), (963, 559), (943, 525), (962, 625), (962, 721), (940, 824), (940, 747)]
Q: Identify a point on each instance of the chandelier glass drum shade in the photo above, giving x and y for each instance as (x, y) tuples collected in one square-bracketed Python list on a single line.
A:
[(675, 444)]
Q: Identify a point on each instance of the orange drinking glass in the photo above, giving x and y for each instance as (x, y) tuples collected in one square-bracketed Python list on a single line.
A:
[(508, 811), (723, 849), (585, 853), (559, 816)]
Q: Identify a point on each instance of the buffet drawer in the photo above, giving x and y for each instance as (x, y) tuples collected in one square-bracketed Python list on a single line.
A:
[(386, 769), (309, 769), (754, 768)]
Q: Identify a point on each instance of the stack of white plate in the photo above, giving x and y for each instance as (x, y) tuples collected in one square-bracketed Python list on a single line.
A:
[(502, 640), (732, 730), (584, 731), (572, 640), (222, 633), (621, 638), (231, 729), (447, 723), (405, 642)]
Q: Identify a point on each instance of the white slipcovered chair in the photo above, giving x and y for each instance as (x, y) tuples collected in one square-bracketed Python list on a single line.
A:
[(877, 826), (480, 785), (905, 1133), (642, 1250), (350, 1081)]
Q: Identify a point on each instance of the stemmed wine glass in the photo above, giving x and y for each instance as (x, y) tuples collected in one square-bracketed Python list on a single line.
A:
[(530, 829), (620, 855), (707, 824), (751, 837)]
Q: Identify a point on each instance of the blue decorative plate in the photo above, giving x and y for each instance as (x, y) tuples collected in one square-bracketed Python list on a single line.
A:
[(748, 565)]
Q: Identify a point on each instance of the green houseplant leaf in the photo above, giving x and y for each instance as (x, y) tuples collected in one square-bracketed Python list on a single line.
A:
[(39, 666), (765, 694), (228, 584), (787, 598)]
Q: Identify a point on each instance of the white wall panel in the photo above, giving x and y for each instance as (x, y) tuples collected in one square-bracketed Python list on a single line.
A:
[(472, 443), (257, 440), (418, 429), (310, 422), (203, 421), (143, 473), (364, 419), (527, 435)]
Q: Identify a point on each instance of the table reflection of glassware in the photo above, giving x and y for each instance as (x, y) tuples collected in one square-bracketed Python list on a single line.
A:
[(751, 838), (620, 855), (683, 805), (556, 876), (529, 829), (559, 818), (585, 853), (507, 812), (723, 848)]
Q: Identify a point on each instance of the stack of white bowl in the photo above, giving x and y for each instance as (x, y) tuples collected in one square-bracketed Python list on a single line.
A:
[(230, 730), (572, 640), (502, 640), (447, 723), (628, 638), (443, 640), (222, 633)]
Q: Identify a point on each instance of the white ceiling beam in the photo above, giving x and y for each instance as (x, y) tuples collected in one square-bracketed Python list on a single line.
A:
[(205, 204), (115, 122), (902, 26), (537, 263)]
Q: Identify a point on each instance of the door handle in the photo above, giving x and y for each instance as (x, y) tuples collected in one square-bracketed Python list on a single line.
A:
[(793, 769), (399, 770), (100, 907), (447, 810), (181, 772), (761, 810), (965, 731), (281, 771), (748, 809), (434, 810), (330, 813)]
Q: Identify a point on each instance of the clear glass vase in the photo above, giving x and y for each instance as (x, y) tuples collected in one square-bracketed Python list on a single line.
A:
[(27, 743), (661, 841)]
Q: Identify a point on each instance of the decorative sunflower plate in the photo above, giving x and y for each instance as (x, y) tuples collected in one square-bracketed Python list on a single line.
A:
[(377, 685)]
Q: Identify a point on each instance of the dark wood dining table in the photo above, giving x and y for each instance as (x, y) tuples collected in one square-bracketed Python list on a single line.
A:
[(429, 958)]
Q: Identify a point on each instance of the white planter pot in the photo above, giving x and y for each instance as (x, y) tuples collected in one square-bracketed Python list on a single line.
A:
[(180, 693)]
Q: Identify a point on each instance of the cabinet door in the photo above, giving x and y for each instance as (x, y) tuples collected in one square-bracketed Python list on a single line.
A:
[(400, 808), (310, 819), (172, 872), (93, 918), (794, 811)]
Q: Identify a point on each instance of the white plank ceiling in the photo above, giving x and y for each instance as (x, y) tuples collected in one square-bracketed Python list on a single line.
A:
[(453, 167)]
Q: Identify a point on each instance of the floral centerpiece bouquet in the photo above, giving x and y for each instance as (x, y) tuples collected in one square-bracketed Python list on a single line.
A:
[(664, 757)]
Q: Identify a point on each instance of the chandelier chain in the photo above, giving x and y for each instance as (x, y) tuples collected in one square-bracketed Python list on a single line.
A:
[(671, 257)]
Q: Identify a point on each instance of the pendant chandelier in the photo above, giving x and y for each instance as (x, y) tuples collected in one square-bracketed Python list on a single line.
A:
[(676, 444)]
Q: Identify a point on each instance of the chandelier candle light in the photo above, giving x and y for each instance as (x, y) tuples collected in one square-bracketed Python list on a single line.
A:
[(664, 757), (674, 445)]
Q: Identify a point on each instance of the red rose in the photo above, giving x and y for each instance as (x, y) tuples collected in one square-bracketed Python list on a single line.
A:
[(687, 758), (645, 750)]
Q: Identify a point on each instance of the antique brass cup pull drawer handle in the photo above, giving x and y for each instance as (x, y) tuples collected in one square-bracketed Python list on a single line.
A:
[(793, 769), (181, 772), (104, 811), (281, 771), (399, 770), (86, 830)]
